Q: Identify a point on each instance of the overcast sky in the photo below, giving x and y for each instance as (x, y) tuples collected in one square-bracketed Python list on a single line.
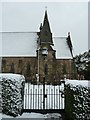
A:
[(63, 16)]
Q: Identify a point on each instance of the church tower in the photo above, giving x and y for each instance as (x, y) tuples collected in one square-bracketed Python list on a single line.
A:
[(46, 54)]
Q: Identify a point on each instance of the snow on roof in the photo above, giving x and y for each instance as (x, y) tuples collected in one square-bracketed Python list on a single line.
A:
[(25, 44), (0, 43), (61, 47), (19, 44)]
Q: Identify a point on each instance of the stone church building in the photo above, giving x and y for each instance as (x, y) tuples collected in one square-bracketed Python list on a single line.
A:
[(37, 55)]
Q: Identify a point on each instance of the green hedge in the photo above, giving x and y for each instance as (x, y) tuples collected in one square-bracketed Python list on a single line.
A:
[(77, 104)]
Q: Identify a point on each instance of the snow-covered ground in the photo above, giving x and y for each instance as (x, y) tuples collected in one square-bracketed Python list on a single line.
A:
[(24, 115), (35, 115)]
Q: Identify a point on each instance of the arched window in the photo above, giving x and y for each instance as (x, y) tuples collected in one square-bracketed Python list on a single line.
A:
[(28, 69), (12, 68), (20, 63), (4, 63)]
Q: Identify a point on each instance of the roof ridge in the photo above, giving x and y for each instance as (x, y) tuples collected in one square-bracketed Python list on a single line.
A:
[(16, 32), (60, 37)]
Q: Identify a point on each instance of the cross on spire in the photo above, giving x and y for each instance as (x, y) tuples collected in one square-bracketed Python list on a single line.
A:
[(45, 8)]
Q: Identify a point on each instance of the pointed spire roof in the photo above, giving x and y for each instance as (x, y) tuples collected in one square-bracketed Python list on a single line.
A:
[(45, 32), (46, 21), (46, 16)]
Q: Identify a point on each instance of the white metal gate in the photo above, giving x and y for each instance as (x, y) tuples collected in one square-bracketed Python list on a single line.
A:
[(39, 97)]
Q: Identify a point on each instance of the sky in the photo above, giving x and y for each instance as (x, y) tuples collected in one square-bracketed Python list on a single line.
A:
[(64, 17)]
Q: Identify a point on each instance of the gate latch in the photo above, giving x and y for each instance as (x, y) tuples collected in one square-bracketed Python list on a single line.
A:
[(45, 95)]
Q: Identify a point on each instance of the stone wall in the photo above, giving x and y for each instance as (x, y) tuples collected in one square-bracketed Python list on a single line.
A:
[(66, 69), (49, 68), (20, 65)]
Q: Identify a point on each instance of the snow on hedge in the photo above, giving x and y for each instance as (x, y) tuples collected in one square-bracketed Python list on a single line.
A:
[(12, 93), (84, 83), (78, 99)]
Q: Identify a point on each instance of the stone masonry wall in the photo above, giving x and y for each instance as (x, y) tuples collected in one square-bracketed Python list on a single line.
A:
[(51, 69)]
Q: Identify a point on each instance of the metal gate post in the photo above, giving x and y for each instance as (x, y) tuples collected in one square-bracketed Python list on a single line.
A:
[(44, 93)]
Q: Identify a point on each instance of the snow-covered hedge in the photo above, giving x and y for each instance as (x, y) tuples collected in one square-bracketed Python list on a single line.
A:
[(77, 100), (12, 93)]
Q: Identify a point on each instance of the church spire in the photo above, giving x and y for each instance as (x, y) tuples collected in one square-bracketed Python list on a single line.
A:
[(45, 32), (46, 21)]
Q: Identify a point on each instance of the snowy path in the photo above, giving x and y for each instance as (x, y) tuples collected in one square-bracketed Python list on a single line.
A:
[(34, 116)]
